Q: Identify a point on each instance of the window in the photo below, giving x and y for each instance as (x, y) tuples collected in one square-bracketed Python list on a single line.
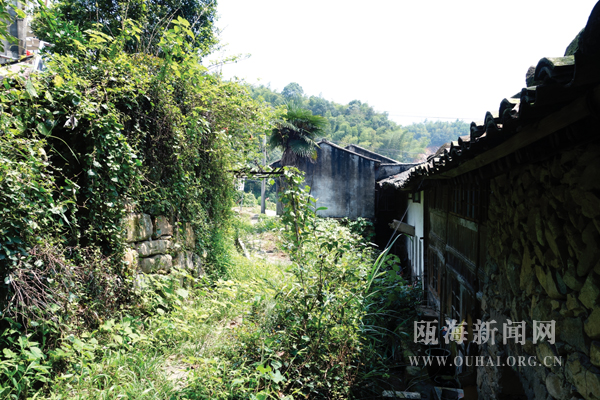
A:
[(416, 197), (466, 201)]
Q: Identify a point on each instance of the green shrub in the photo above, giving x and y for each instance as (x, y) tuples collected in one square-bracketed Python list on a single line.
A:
[(248, 200), (23, 365), (335, 318), (360, 226)]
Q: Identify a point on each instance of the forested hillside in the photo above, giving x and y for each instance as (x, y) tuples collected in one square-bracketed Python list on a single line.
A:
[(438, 132), (358, 123)]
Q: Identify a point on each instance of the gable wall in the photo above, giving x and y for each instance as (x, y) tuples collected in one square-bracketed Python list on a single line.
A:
[(343, 182)]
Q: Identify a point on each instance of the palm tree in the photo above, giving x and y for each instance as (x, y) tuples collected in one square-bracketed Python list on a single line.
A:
[(295, 135)]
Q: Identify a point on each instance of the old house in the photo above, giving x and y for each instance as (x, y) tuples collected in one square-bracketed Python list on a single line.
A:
[(20, 28), (22, 55), (343, 179), (507, 229)]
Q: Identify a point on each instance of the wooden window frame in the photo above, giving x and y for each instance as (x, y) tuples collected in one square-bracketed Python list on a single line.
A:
[(467, 201)]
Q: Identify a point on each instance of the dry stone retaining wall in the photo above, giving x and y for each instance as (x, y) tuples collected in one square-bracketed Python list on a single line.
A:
[(156, 245), (543, 264)]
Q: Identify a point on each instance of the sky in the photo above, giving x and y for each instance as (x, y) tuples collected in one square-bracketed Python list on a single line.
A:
[(414, 59)]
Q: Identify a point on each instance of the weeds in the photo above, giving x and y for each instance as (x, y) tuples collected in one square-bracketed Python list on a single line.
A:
[(321, 327)]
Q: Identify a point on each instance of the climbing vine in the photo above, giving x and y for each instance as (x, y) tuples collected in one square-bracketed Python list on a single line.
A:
[(99, 133), (100, 129)]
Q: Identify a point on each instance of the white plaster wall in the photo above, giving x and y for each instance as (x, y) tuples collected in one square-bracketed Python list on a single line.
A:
[(415, 245)]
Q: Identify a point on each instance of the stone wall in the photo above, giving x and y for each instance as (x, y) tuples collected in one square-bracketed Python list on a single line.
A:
[(543, 264), (156, 245)]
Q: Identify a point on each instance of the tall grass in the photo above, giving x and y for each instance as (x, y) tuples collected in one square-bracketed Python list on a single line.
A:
[(313, 328)]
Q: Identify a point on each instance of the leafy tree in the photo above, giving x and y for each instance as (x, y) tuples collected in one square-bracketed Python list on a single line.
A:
[(354, 123), (296, 134), (439, 132), (152, 17), (102, 129), (9, 12), (293, 91), (358, 123)]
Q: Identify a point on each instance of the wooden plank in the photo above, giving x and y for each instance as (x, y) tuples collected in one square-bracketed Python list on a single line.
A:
[(243, 248), (402, 227), (568, 115)]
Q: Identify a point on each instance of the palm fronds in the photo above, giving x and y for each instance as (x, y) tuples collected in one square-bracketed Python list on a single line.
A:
[(296, 134)]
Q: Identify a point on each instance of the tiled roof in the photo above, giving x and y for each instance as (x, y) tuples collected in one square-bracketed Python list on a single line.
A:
[(399, 180), (560, 91)]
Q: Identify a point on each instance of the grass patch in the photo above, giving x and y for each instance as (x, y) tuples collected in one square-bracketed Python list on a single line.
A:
[(193, 350), (317, 327)]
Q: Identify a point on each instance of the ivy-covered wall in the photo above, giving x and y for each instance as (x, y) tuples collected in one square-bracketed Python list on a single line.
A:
[(104, 132)]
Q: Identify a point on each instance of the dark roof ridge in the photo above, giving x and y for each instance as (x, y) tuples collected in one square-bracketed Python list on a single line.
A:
[(372, 152), (346, 150), (325, 141)]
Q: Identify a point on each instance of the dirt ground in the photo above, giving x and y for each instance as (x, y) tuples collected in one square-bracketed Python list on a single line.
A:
[(265, 244)]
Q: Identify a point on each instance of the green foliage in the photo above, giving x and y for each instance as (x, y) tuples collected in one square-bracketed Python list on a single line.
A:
[(27, 185), (332, 319), (120, 119), (320, 312), (152, 17), (308, 329), (75, 285), (158, 131), (390, 310), (360, 226), (293, 92), (358, 123), (9, 12), (53, 297), (22, 364), (439, 132), (248, 199), (140, 357), (100, 129), (254, 186), (353, 123), (268, 224)]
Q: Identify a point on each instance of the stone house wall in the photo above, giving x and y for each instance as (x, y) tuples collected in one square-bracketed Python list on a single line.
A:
[(543, 264), (156, 245)]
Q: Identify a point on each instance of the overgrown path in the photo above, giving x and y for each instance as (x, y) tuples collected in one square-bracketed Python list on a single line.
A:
[(263, 241), (188, 348), (323, 327)]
